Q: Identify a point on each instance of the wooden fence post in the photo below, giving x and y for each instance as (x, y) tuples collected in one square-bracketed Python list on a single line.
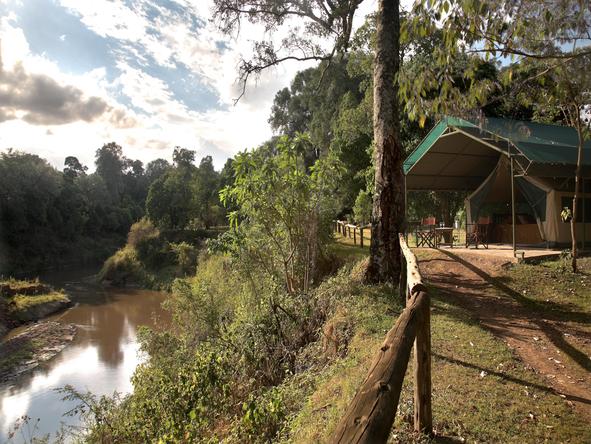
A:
[(370, 415), (403, 284), (354, 235), (423, 420), (361, 236)]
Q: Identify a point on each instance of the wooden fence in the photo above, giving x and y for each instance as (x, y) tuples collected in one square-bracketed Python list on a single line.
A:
[(350, 230), (370, 415)]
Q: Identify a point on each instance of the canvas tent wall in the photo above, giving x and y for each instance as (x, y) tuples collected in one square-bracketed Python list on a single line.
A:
[(530, 192)]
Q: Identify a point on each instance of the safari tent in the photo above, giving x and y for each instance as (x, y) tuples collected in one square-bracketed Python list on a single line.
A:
[(519, 175)]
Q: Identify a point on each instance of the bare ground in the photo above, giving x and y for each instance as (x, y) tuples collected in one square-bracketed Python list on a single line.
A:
[(556, 348)]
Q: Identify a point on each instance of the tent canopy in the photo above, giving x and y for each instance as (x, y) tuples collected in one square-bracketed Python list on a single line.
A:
[(459, 154)]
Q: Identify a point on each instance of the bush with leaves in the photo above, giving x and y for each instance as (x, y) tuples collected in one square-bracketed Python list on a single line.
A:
[(285, 209), (363, 207)]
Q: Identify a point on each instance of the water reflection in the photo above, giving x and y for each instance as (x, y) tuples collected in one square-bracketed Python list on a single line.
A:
[(101, 359)]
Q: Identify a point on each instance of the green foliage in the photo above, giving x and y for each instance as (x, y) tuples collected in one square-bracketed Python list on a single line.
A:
[(168, 204), (121, 267), (186, 196), (363, 207), (201, 305), (263, 417), (141, 231), (177, 397), (285, 208), (51, 217), (186, 256)]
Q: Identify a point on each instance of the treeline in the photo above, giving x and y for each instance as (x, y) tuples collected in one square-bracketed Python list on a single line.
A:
[(50, 218)]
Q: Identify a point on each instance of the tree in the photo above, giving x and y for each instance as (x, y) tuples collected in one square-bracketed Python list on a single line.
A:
[(284, 207), (169, 201), (388, 203), (206, 194), (362, 208), (109, 163), (155, 169), (183, 157), (322, 20), (73, 168), (564, 91)]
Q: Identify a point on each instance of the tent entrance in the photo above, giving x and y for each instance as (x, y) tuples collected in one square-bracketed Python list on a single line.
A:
[(491, 203)]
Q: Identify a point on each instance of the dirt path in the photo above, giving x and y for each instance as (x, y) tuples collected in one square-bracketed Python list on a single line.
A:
[(557, 350)]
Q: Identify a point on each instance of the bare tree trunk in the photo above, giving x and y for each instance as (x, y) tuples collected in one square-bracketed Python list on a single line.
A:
[(573, 222), (388, 202)]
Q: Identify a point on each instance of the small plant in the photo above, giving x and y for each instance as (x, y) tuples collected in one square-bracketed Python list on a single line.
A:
[(566, 215), (565, 259), (27, 429)]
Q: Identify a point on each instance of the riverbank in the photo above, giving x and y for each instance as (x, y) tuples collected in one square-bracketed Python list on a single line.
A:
[(22, 302), (38, 343)]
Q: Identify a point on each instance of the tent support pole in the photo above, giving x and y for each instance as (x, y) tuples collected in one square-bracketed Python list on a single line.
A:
[(513, 205), (405, 210)]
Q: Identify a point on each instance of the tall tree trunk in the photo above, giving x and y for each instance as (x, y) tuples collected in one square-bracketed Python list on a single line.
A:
[(388, 202), (573, 222)]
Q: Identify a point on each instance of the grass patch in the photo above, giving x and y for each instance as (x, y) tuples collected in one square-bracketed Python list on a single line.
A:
[(481, 391), (553, 288), (10, 287), (22, 295), (23, 302), (344, 248)]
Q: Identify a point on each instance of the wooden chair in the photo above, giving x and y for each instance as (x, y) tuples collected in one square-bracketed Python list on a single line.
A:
[(425, 234), (478, 233)]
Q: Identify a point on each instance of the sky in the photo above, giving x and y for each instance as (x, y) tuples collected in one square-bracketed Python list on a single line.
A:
[(149, 75)]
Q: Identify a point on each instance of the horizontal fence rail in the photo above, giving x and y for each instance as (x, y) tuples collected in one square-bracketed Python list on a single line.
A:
[(371, 413), (350, 230)]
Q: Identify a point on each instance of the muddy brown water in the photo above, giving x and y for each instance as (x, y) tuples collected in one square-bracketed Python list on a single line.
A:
[(102, 357)]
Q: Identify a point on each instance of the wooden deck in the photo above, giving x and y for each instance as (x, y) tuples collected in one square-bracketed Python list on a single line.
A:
[(505, 251)]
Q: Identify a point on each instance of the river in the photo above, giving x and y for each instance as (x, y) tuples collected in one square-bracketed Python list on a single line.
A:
[(102, 357)]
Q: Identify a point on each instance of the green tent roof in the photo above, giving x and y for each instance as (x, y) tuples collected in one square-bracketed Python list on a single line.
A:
[(540, 145)]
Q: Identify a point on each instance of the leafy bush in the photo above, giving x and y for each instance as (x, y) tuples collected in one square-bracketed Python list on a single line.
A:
[(283, 205), (186, 256), (263, 417), (178, 397), (363, 207), (202, 305), (141, 231), (120, 267)]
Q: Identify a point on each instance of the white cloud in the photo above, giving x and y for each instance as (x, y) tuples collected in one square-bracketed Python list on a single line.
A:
[(162, 121)]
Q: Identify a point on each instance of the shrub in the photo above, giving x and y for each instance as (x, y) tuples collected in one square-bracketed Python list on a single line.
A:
[(141, 231), (263, 417), (362, 208), (120, 267), (186, 256)]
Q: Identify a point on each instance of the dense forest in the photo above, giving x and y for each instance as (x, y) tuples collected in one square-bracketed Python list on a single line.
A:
[(53, 218)]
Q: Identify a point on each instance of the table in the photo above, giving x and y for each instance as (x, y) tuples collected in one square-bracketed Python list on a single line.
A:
[(445, 233)]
